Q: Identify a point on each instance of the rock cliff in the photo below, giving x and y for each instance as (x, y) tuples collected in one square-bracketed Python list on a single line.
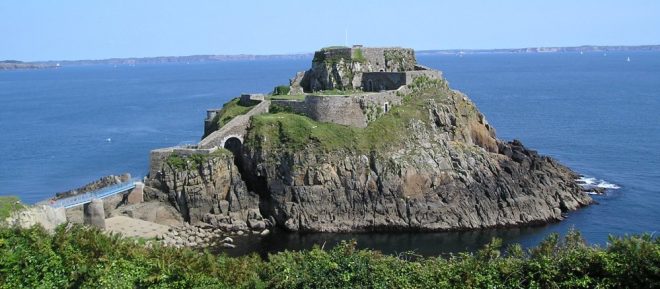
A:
[(207, 189), (432, 163)]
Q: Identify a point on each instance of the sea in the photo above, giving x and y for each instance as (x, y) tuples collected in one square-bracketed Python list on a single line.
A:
[(598, 113)]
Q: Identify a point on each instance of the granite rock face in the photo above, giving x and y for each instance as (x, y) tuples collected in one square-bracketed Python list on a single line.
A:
[(46, 216), (448, 172), (208, 190), (430, 162)]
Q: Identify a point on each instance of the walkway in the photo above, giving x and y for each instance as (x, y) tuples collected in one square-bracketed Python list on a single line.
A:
[(85, 198), (237, 127)]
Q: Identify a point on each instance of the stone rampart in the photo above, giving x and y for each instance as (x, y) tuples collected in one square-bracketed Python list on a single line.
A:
[(248, 99), (295, 106), (158, 157), (342, 67), (432, 74), (352, 110), (335, 109), (378, 81)]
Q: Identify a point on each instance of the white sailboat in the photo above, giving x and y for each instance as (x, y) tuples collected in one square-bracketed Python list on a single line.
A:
[(628, 59)]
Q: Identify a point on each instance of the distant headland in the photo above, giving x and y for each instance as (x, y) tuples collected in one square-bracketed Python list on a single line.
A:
[(13, 64)]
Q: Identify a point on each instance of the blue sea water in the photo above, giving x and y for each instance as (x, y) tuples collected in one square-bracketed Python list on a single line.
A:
[(598, 114)]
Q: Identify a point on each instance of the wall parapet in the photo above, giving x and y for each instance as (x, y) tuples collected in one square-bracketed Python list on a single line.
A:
[(158, 157)]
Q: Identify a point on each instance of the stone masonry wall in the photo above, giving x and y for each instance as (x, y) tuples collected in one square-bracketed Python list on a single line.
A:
[(158, 157), (351, 110), (432, 74), (342, 68), (336, 109), (377, 81)]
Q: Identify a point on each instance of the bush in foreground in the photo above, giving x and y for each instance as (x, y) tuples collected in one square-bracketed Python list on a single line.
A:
[(78, 257)]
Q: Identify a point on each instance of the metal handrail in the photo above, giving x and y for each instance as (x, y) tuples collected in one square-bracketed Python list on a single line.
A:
[(104, 192)]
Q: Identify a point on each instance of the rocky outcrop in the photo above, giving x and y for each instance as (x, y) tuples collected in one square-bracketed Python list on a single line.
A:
[(430, 162), (46, 216), (208, 189), (445, 171)]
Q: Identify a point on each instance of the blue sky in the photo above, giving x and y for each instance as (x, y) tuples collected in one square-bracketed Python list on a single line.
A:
[(68, 29)]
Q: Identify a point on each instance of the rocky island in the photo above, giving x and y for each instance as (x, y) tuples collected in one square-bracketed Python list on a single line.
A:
[(367, 139)]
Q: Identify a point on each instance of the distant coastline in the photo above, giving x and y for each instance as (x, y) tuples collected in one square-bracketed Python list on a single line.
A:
[(13, 64), (584, 48)]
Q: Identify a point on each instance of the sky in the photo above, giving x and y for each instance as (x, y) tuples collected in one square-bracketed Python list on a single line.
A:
[(85, 29)]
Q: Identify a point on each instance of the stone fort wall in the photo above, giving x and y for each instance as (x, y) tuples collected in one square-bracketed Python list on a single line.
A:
[(360, 109), (158, 157), (378, 81), (351, 110)]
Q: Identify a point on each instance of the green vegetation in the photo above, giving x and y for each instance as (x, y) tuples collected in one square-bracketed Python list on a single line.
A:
[(281, 90), (333, 47), (395, 57), (289, 97), (229, 111), (8, 205), (358, 56), (79, 257), (195, 160), (290, 132)]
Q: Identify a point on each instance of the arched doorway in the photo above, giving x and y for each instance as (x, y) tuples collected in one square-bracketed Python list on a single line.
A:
[(234, 145)]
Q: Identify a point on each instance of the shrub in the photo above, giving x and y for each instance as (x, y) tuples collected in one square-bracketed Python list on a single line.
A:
[(79, 257), (281, 90)]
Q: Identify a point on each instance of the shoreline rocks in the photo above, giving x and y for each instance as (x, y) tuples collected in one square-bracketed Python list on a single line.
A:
[(202, 236)]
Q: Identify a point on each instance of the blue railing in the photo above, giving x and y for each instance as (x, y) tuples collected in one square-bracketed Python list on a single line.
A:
[(85, 198)]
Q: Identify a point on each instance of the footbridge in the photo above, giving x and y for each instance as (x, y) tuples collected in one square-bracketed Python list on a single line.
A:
[(112, 190)]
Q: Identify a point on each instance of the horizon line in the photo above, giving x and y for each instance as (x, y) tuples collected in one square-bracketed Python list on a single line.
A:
[(530, 49)]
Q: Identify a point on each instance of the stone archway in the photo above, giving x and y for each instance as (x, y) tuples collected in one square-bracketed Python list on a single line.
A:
[(234, 145)]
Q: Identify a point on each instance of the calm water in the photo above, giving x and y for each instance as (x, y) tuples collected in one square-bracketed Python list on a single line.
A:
[(598, 114)]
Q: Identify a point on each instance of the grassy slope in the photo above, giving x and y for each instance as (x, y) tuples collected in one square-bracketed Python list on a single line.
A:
[(229, 111), (286, 131), (9, 204), (182, 162)]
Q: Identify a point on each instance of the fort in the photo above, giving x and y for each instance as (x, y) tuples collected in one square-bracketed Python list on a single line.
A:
[(350, 86)]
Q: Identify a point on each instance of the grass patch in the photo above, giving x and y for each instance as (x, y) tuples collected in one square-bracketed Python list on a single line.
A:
[(195, 160), (358, 56), (287, 131), (229, 111), (288, 97), (8, 205)]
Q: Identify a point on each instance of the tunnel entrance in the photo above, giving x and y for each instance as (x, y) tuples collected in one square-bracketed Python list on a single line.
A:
[(234, 145)]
